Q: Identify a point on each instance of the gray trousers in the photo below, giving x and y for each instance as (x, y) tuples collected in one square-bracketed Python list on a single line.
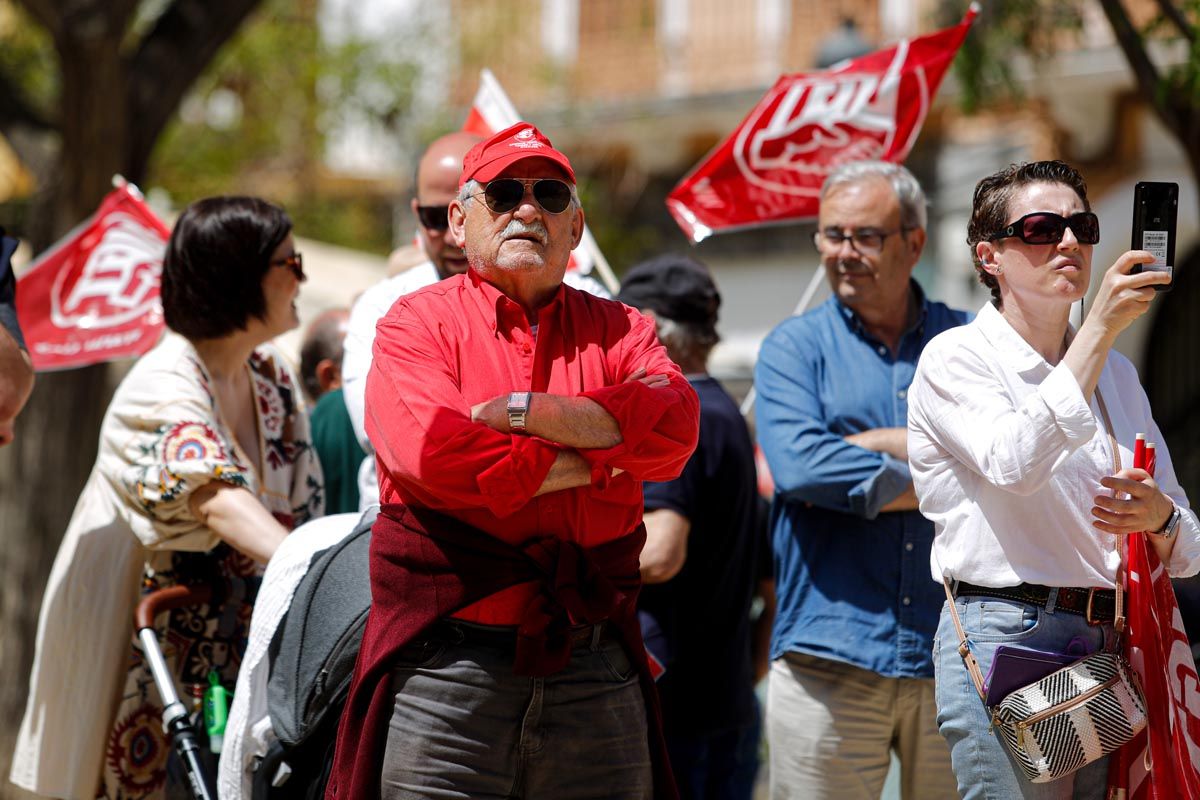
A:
[(464, 726)]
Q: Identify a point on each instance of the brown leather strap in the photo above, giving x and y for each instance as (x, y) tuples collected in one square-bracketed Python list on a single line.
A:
[(1119, 608), (964, 648)]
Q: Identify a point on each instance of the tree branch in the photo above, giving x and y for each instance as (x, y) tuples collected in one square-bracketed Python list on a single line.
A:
[(14, 110), (183, 42), (45, 12), (1172, 12), (1144, 71)]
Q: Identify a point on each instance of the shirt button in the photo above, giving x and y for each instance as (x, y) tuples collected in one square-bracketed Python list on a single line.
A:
[(908, 546), (901, 394), (907, 601), (883, 351)]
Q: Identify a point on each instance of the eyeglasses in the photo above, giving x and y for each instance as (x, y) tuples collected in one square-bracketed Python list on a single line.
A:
[(295, 263), (1045, 227), (867, 242), (435, 218), (504, 194)]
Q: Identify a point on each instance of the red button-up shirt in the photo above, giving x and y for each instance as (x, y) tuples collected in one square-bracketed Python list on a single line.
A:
[(460, 342)]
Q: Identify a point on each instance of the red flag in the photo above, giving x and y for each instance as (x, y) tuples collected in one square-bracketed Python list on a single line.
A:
[(492, 111), (1157, 647), (93, 296), (772, 167)]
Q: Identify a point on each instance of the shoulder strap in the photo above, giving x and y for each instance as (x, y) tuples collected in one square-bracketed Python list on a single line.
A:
[(964, 648)]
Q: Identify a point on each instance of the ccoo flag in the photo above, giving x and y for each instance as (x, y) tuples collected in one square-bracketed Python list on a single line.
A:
[(772, 167), (93, 296)]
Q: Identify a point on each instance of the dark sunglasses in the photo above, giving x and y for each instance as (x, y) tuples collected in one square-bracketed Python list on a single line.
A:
[(295, 263), (1044, 227), (505, 194), (435, 218)]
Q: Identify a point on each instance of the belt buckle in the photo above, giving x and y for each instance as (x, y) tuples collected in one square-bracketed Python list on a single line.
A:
[(1087, 614)]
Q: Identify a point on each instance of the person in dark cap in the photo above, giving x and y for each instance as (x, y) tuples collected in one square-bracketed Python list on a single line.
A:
[(514, 420), (701, 558), (16, 368)]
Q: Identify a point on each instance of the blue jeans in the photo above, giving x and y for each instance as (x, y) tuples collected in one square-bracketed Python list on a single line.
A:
[(465, 726), (717, 766), (980, 759)]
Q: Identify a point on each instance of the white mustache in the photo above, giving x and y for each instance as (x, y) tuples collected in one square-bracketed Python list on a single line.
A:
[(851, 267), (517, 228)]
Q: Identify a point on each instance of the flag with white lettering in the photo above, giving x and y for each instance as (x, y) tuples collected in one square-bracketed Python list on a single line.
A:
[(771, 168), (94, 296)]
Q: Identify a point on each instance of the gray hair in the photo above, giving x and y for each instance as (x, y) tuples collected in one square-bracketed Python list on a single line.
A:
[(687, 341), (912, 198), (473, 187)]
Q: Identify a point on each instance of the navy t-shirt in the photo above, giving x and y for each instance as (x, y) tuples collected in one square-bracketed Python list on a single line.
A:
[(704, 611)]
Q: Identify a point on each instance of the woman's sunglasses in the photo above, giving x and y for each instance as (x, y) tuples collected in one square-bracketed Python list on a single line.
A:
[(293, 262), (1044, 227), (505, 194)]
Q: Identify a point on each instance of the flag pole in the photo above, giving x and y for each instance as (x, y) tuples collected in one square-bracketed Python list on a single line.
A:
[(805, 300)]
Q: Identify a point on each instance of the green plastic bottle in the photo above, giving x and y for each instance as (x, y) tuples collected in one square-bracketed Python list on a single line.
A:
[(216, 711)]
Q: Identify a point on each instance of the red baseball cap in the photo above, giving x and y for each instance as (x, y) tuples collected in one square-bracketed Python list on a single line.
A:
[(493, 155)]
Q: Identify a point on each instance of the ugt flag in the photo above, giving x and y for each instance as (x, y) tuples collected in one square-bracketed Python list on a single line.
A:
[(772, 167), (1157, 646), (492, 111), (93, 296)]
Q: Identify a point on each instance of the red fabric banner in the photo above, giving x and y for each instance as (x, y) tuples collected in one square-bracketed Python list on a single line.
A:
[(1157, 647), (93, 296), (771, 168)]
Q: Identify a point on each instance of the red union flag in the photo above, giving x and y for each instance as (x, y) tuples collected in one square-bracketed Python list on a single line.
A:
[(94, 296), (772, 167)]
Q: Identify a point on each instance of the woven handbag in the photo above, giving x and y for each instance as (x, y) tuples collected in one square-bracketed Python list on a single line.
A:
[(1077, 714)]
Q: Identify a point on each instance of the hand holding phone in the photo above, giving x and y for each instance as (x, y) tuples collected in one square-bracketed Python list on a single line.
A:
[(1154, 210)]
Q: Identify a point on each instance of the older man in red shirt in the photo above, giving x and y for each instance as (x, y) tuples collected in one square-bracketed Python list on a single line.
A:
[(514, 421)]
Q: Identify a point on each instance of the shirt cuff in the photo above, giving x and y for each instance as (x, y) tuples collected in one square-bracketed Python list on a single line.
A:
[(1185, 558), (509, 484), (889, 482), (637, 409), (1064, 399)]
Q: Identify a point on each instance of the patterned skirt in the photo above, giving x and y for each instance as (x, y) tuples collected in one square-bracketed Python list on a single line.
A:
[(139, 763)]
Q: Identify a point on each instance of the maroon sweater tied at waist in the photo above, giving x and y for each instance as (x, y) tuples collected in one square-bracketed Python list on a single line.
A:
[(426, 565)]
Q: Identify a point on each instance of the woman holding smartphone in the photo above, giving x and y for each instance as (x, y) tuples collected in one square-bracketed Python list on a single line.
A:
[(1009, 423)]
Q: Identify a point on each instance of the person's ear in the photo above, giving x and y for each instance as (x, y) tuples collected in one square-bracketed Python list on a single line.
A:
[(457, 216), (577, 227), (986, 252), (329, 375), (916, 243)]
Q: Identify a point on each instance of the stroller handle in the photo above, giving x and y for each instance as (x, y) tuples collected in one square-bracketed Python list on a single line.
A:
[(171, 597)]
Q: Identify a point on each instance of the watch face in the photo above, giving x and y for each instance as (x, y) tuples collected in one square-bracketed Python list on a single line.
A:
[(518, 401)]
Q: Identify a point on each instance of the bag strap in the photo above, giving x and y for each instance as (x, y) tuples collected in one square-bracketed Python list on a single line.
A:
[(964, 648), (1119, 609)]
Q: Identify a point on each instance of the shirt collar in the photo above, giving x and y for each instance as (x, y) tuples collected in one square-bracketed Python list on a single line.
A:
[(1012, 349), (505, 314), (918, 325)]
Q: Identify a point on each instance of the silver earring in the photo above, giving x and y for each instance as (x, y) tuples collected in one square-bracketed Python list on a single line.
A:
[(999, 270)]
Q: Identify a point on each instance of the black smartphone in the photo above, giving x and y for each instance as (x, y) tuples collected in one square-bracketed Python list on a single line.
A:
[(1154, 207)]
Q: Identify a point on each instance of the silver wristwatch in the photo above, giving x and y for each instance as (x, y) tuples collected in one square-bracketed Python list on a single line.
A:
[(1170, 526), (518, 407)]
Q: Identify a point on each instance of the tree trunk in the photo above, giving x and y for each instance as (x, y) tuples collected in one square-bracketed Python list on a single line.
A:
[(43, 471)]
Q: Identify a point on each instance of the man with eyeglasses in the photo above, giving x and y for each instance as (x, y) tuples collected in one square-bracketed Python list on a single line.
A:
[(515, 419), (851, 677)]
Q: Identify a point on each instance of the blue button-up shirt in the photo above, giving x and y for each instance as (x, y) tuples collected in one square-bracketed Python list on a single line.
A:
[(852, 584)]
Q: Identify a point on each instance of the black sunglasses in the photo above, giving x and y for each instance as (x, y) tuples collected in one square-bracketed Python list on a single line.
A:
[(295, 263), (1045, 227), (504, 194), (435, 218)]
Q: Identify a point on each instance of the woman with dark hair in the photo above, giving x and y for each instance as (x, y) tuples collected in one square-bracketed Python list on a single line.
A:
[(1011, 426), (204, 467)]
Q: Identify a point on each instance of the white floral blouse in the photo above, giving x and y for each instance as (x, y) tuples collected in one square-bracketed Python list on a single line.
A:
[(132, 528)]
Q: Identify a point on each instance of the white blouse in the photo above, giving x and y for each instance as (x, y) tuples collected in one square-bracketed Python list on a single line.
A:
[(1007, 456)]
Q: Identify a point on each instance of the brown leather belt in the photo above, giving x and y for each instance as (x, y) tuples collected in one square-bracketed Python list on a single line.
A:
[(1094, 605)]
